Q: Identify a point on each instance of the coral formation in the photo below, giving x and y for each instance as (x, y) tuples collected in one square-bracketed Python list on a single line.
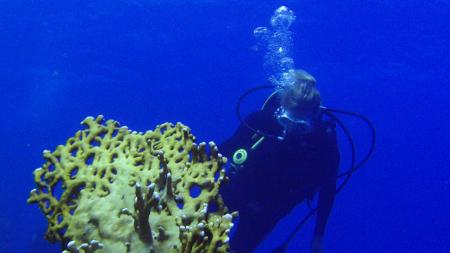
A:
[(109, 189)]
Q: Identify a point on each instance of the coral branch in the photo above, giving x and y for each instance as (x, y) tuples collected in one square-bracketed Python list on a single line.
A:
[(90, 247)]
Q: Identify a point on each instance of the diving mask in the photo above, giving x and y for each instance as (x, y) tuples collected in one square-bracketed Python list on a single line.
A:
[(293, 124)]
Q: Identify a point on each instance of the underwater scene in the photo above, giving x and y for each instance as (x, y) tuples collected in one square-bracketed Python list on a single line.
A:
[(137, 126)]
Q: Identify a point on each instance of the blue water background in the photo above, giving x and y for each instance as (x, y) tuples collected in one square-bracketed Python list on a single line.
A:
[(147, 62)]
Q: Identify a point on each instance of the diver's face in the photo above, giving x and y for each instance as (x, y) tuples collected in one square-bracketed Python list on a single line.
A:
[(299, 106), (298, 124)]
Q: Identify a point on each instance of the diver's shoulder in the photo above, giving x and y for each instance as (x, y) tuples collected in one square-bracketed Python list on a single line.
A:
[(328, 126)]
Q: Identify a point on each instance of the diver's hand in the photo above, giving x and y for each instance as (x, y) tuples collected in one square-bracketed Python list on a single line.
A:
[(316, 245)]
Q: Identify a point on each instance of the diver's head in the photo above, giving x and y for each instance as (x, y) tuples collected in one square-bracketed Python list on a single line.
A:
[(299, 103)]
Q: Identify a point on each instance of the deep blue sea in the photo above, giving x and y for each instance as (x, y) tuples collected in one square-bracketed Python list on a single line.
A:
[(145, 62)]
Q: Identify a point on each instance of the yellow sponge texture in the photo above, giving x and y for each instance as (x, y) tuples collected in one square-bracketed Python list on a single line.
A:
[(125, 191)]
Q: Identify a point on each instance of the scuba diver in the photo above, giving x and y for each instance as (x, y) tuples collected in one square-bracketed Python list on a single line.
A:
[(287, 151), (280, 156)]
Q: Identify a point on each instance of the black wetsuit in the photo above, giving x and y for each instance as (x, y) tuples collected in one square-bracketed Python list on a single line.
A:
[(277, 175)]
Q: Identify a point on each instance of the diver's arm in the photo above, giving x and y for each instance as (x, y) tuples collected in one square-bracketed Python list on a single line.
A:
[(327, 191), (326, 200)]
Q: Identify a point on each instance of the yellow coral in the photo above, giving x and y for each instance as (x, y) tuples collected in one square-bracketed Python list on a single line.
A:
[(132, 192)]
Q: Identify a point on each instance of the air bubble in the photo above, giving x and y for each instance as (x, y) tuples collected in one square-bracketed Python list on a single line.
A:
[(261, 33), (278, 43), (286, 64), (282, 18)]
